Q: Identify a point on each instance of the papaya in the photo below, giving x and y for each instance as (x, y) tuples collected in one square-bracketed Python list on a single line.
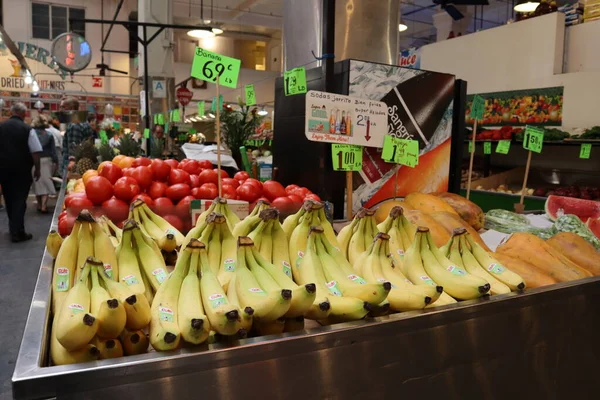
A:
[(452, 221), (528, 247), (532, 275), (427, 203), (577, 249), (383, 210), (438, 232), (467, 210)]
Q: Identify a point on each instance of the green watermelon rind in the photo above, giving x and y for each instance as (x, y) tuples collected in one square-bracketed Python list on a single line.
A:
[(559, 205)]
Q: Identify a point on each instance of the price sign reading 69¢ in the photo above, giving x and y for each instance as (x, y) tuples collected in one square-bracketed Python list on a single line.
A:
[(208, 66)]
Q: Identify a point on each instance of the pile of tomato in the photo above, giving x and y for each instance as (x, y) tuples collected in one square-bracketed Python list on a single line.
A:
[(168, 187)]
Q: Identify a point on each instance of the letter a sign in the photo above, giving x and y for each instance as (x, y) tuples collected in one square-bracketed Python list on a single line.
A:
[(159, 89)]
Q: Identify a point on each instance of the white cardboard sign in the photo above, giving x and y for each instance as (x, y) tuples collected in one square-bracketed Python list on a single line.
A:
[(335, 118)]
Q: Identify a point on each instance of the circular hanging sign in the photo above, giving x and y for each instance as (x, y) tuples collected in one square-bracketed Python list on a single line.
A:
[(71, 51)]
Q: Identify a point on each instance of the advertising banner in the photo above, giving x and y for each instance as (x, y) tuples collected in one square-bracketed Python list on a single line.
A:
[(420, 107)]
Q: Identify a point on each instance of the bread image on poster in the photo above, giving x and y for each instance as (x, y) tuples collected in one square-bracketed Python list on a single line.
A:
[(420, 107)]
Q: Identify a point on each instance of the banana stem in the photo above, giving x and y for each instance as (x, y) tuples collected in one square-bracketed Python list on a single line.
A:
[(95, 281)]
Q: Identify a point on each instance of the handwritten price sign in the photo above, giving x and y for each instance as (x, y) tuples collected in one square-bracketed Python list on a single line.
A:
[(294, 81), (346, 157), (208, 66), (534, 138)]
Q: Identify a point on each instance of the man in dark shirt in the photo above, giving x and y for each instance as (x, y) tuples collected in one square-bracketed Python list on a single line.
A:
[(76, 132), (19, 151)]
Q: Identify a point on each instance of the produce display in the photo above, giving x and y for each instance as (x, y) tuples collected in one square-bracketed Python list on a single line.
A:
[(583, 192), (115, 291)]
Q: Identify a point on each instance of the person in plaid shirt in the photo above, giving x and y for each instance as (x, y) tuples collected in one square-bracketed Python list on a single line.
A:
[(76, 132)]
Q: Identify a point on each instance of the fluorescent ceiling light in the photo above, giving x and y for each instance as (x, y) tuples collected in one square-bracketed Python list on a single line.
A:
[(402, 27), (211, 115), (262, 113), (526, 6), (201, 33), (35, 87), (217, 31)]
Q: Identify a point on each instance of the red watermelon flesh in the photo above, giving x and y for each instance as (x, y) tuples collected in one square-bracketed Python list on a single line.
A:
[(594, 225), (584, 209)]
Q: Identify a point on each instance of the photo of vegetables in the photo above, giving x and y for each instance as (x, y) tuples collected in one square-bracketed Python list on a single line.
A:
[(521, 107)]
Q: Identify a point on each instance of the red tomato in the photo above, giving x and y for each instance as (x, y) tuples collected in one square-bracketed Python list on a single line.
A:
[(160, 169), (157, 189), (241, 176), (111, 171), (79, 203), (296, 199), (273, 190), (172, 163), (63, 215), (209, 176), (228, 192), (178, 191), (248, 192), (255, 182), (290, 188), (191, 167), (210, 185), (312, 196), (179, 176), (230, 182), (72, 196), (183, 207), (126, 188), (116, 210), (143, 176), (141, 162), (145, 198), (194, 181), (65, 225), (163, 205), (128, 172), (205, 164), (98, 189), (175, 221), (224, 174), (208, 191), (285, 205), (300, 192)]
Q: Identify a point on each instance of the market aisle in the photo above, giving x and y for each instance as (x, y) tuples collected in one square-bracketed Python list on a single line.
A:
[(19, 265)]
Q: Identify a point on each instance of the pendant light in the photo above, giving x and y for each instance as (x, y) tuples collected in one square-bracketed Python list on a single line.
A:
[(203, 31), (526, 6)]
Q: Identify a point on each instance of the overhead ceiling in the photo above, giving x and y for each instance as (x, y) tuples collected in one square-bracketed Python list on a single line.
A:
[(264, 17)]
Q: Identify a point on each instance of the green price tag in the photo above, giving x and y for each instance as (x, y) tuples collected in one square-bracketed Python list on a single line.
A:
[(534, 138), (213, 105), (409, 153), (166, 128), (346, 157), (503, 147), (116, 125), (155, 119), (147, 133), (585, 151), (201, 106), (208, 66), (161, 119), (470, 147), (487, 147), (294, 81), (391, 147), (175, 117), (477, 107), (182, 137), (250, 95), (103, 136)]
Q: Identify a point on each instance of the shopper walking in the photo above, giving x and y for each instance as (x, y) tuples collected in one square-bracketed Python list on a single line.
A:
[(19, 151), (58, 140), (44, 186), (76, 132)]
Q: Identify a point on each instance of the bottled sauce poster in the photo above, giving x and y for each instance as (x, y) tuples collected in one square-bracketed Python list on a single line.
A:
[(420, 107), (335, 118)]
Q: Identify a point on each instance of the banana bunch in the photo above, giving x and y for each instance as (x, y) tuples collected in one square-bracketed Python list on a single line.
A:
[(425, 264), (114, 232), (87, 239), (258, 207), (219, 205), (91, 323), (213, 231), (297, 227), (379, 267), (356, 237), (400, 231), (463, 251), (153, 225)]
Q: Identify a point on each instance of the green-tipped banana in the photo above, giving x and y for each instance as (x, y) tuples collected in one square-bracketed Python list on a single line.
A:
[(472, 266)]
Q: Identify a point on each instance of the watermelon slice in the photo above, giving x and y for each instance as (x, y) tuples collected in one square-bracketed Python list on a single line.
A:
[(594, 225), (584, 209)]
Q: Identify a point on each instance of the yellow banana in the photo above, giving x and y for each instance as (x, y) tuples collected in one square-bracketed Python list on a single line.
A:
[(152, 264), (260, 205), (345, 234), (298, 242), (452, 251), (167, 242), (61, 356), (162, 224), (311, 271), (109, 312), (213, 242), (325, 224), (109, 348), (147, 225), (232, 218), (266, 242), (281, 249), (292, 221), (76, 326), (472, 266), (245, 226), (65, 265), (86, 241), (105, 251), (129, 268), (228, 259), (149, 293), (192, 320), (359, 241), (412, 266), (247, 312), (53, 243), (134, 342)]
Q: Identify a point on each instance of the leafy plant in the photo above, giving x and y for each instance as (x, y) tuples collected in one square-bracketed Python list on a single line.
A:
[(128, 146), (106, 152), (238, 125)]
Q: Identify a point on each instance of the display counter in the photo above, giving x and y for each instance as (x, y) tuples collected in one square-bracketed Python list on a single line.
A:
[(541, 343)]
